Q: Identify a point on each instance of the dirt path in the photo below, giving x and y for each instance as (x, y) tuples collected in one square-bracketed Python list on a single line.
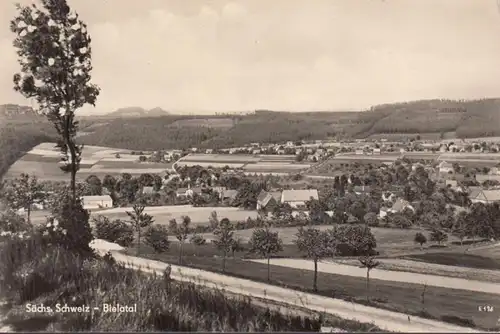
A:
[(388, 275), (388, 320)]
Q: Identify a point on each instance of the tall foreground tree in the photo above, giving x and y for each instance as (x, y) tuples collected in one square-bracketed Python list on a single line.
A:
[(224, 239), (317, 245), (23, 192), (53, 49), (139, 220), (369, 263), (266, 243), (181, 232)]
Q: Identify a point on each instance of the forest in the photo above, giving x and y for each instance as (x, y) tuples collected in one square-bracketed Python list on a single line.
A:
[(461, 119), (18, 137)]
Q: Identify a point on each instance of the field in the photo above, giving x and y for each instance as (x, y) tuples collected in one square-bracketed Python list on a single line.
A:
[(199, 216), (403, 136), (459, 260), (43, 161), (249, 163), (223, 123)]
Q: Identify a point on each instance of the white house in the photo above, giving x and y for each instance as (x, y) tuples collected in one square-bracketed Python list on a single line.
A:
[(97, 202), (445, 167), (296, 198), (399, 206)]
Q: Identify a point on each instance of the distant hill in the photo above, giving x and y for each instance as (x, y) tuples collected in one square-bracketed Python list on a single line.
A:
[(141, 129), (12, 110), (138, 112), (460, 119)]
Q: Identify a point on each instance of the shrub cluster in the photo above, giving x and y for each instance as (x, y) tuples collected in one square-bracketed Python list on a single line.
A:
[(116, 231)]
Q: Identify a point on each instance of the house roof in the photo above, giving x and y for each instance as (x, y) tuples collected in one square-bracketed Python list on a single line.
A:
[(97, 198), (197, 190), (400, 205), (474, 192), (299, 195), (264, 198), (230, 193), (492, 195), (181, 190), (147, 190), (361, 189), (276, 195)]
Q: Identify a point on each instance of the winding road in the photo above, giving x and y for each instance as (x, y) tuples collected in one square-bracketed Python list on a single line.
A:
[(387, 320)]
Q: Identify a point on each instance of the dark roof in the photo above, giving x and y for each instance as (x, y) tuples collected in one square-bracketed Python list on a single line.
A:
[(264, 198), (365, 189)]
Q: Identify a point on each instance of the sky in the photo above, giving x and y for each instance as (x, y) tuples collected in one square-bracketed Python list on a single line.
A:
[(298, 55)]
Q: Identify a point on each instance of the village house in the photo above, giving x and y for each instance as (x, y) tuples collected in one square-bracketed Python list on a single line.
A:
[(479, 195), (398, 206), (148, 190), (359, 152), (298, 198), (376, 151), (494, 171), (181, 192), (97, 202), (268, 200), (195, 190), (209, 151), (290, 144), (229, 194), (445, 167), (359, 190)]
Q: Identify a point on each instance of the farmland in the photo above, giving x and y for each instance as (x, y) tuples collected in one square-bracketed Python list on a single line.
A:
[(43, 161), (249, 163), (199, 216)]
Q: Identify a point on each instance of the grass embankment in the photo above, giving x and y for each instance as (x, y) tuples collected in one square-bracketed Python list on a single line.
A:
[(38, 274), (457, 259), (450, 305)]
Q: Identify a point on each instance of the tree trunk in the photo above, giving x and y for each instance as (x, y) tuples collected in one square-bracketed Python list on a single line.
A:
[(28, 214), (224, 262), (268, 269), (367, 284), (180, 253), (138, 241), (315, 279), (73, 163)]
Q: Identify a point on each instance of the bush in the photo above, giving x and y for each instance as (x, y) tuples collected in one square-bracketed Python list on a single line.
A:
[(10, 221), (198, 240), (68, 226), (116, 231), (156, 236)]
